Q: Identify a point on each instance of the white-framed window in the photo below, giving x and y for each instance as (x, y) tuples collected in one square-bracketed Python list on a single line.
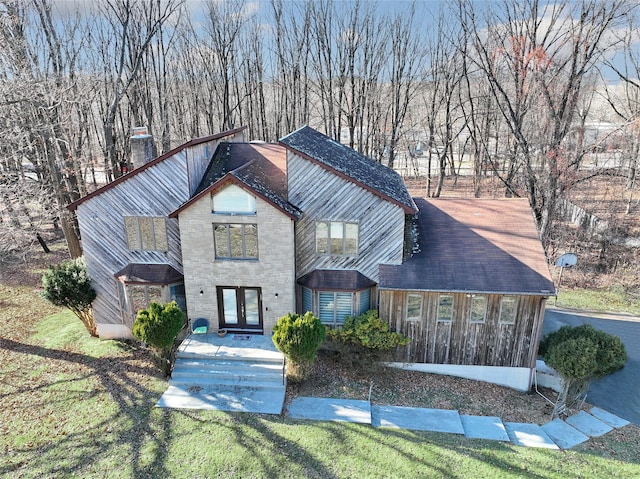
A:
[(445, 308), (146, 233), (235, 240), (508, 309), (233, 200), (336, 238), (414, 307), (478, 311), (332, 307)]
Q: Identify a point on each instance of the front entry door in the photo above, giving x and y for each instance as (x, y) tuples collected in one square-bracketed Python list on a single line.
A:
[(240, 308)]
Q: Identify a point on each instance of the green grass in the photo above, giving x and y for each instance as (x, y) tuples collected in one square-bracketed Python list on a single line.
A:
[(75, 406), (613, 300), (64, 330)]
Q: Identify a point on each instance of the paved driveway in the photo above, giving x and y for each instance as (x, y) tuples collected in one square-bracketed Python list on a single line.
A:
[(619, 392)]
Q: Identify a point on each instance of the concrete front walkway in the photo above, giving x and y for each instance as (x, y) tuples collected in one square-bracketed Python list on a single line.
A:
[(556, 434), (238, 372)]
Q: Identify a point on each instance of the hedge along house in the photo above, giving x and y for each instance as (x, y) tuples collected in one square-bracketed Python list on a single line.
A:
[(472, 296), (130, 245)]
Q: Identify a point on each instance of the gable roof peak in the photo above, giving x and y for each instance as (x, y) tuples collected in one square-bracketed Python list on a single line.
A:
[(349, 164)]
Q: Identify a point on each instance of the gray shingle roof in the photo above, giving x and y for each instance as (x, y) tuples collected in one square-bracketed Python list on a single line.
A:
[(355, 166), (473, 245)]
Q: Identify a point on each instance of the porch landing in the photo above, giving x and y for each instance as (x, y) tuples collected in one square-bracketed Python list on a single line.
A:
[(238, 372)]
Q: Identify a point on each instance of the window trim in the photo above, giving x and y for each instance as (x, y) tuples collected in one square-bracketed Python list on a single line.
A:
[(328, 224), (439, 318), (244, 256), (335, 321), (512, 320), (419, 316), (138, 233), (484, 312), (251, 203)]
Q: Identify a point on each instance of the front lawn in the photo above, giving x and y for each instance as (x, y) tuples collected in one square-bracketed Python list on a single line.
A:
[(75, 406)]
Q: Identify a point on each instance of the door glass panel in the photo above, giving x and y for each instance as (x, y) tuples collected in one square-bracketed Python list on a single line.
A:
[(230, 306), (251, 307)]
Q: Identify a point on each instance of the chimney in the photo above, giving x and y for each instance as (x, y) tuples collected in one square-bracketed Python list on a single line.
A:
[(141, 147)]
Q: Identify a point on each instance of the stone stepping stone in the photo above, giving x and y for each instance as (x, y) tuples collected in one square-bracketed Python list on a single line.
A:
[(529, 435), (587, 424), (607, 417), (484, 427), (563, 434), (329, 409), (417, 419)]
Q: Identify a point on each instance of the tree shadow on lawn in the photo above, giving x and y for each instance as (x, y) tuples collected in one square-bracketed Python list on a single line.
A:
[(96, 439)]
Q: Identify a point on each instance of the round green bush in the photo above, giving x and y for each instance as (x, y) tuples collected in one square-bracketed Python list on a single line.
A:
[(159, 325), (583, 352), (298, 337)]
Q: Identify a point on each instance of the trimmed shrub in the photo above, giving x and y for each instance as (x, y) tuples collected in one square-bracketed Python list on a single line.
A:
[(68, 285), (596, 353), (580, 354), (158, 326), (369, 331), (298, 337)]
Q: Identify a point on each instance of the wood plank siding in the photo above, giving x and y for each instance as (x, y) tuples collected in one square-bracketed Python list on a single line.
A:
[(325, 196), (460, 341), (154, 192)]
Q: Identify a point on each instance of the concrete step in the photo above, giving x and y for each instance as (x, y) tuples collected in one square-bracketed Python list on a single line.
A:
[(222, 377), (484, 427), (231, 398), (232, 355), (563, 434), (529, 435), (232, 365)]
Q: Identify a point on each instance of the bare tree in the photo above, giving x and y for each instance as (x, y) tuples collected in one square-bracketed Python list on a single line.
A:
[(535, 58)]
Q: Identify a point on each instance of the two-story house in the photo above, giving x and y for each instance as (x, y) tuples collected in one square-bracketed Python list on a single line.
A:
[(244, 233)]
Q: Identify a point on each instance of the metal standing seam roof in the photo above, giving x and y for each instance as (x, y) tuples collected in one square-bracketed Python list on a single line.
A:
[(261, 167), (348, 163), (473, 245)]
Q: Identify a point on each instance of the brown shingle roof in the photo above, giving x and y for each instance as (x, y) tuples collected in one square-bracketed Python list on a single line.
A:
[(336, 280), (474, 245), (149, 274), (261, 167)]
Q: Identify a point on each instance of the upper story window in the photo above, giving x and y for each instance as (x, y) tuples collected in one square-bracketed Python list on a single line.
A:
[(478, 311), (336, 238), (235, 240), (146, 233), (233, 200)]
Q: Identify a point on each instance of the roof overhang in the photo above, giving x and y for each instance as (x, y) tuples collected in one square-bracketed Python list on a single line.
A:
[(336, 280), (146, 273)]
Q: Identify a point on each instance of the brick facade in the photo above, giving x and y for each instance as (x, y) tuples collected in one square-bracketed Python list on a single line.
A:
[(273, 271)]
